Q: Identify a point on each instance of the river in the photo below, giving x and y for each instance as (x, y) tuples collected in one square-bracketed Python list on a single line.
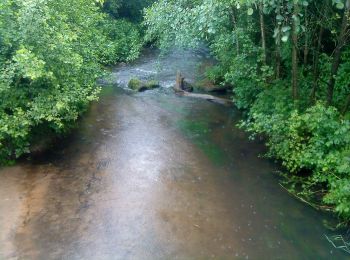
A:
[(155, 176)]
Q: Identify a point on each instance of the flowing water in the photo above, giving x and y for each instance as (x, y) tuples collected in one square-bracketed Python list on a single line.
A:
[(155, 176)]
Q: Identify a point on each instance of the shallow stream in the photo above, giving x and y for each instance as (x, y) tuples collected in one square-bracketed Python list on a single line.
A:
[(155, 176)]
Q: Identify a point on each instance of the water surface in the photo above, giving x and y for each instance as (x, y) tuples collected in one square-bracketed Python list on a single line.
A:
[(155, 176)]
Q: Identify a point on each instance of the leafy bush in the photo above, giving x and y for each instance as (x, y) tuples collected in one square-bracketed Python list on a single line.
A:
[(339, 195), (216, 74), (123, 41), (243, 77), (50, 54), (316, 140)]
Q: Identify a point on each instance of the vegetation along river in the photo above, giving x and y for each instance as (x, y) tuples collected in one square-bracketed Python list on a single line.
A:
[(153, 175)]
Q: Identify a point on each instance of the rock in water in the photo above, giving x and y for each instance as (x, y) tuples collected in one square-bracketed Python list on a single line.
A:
[(187, 86), (138, 85), (181, 84), (135, 84)]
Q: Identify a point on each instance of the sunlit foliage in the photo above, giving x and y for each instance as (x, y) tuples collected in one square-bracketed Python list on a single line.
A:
[(51, 54)]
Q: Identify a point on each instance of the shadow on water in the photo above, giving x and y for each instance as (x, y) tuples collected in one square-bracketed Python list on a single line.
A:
[(155, 176)]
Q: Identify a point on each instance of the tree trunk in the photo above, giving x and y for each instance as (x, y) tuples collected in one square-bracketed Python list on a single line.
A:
[(306, 44), (262, 29), (211, 98), (278, 60), (338, 52), (316, 70), (234, 22), (295, 55), (179, 85), (347, 103), (278, 48)]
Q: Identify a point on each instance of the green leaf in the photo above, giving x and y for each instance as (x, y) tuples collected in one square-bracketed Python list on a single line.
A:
[(340, 5), (279, 17), (250, 11), (285, 38), (286, 28)]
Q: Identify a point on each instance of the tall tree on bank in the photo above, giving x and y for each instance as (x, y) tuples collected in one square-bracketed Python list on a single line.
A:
[(295, 30), (262, 31), (341, 41)]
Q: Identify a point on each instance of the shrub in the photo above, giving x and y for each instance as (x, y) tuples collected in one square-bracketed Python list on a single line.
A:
[(316, 140), (50, 53), (123, 41)]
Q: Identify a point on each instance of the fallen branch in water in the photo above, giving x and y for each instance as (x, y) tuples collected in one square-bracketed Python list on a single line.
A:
[(339, 242), (208, 97), (315, 206), (180, 89)]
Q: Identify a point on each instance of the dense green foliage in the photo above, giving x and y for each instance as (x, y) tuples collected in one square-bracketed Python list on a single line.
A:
[(123, 41), (288, 64), (51, 54), (128, 9)]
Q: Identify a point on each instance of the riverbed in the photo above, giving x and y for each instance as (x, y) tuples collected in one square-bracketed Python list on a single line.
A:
[(154, 175)]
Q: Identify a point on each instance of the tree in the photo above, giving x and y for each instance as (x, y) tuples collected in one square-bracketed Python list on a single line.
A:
[(51, 54), (341, 41), (295, 26)]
